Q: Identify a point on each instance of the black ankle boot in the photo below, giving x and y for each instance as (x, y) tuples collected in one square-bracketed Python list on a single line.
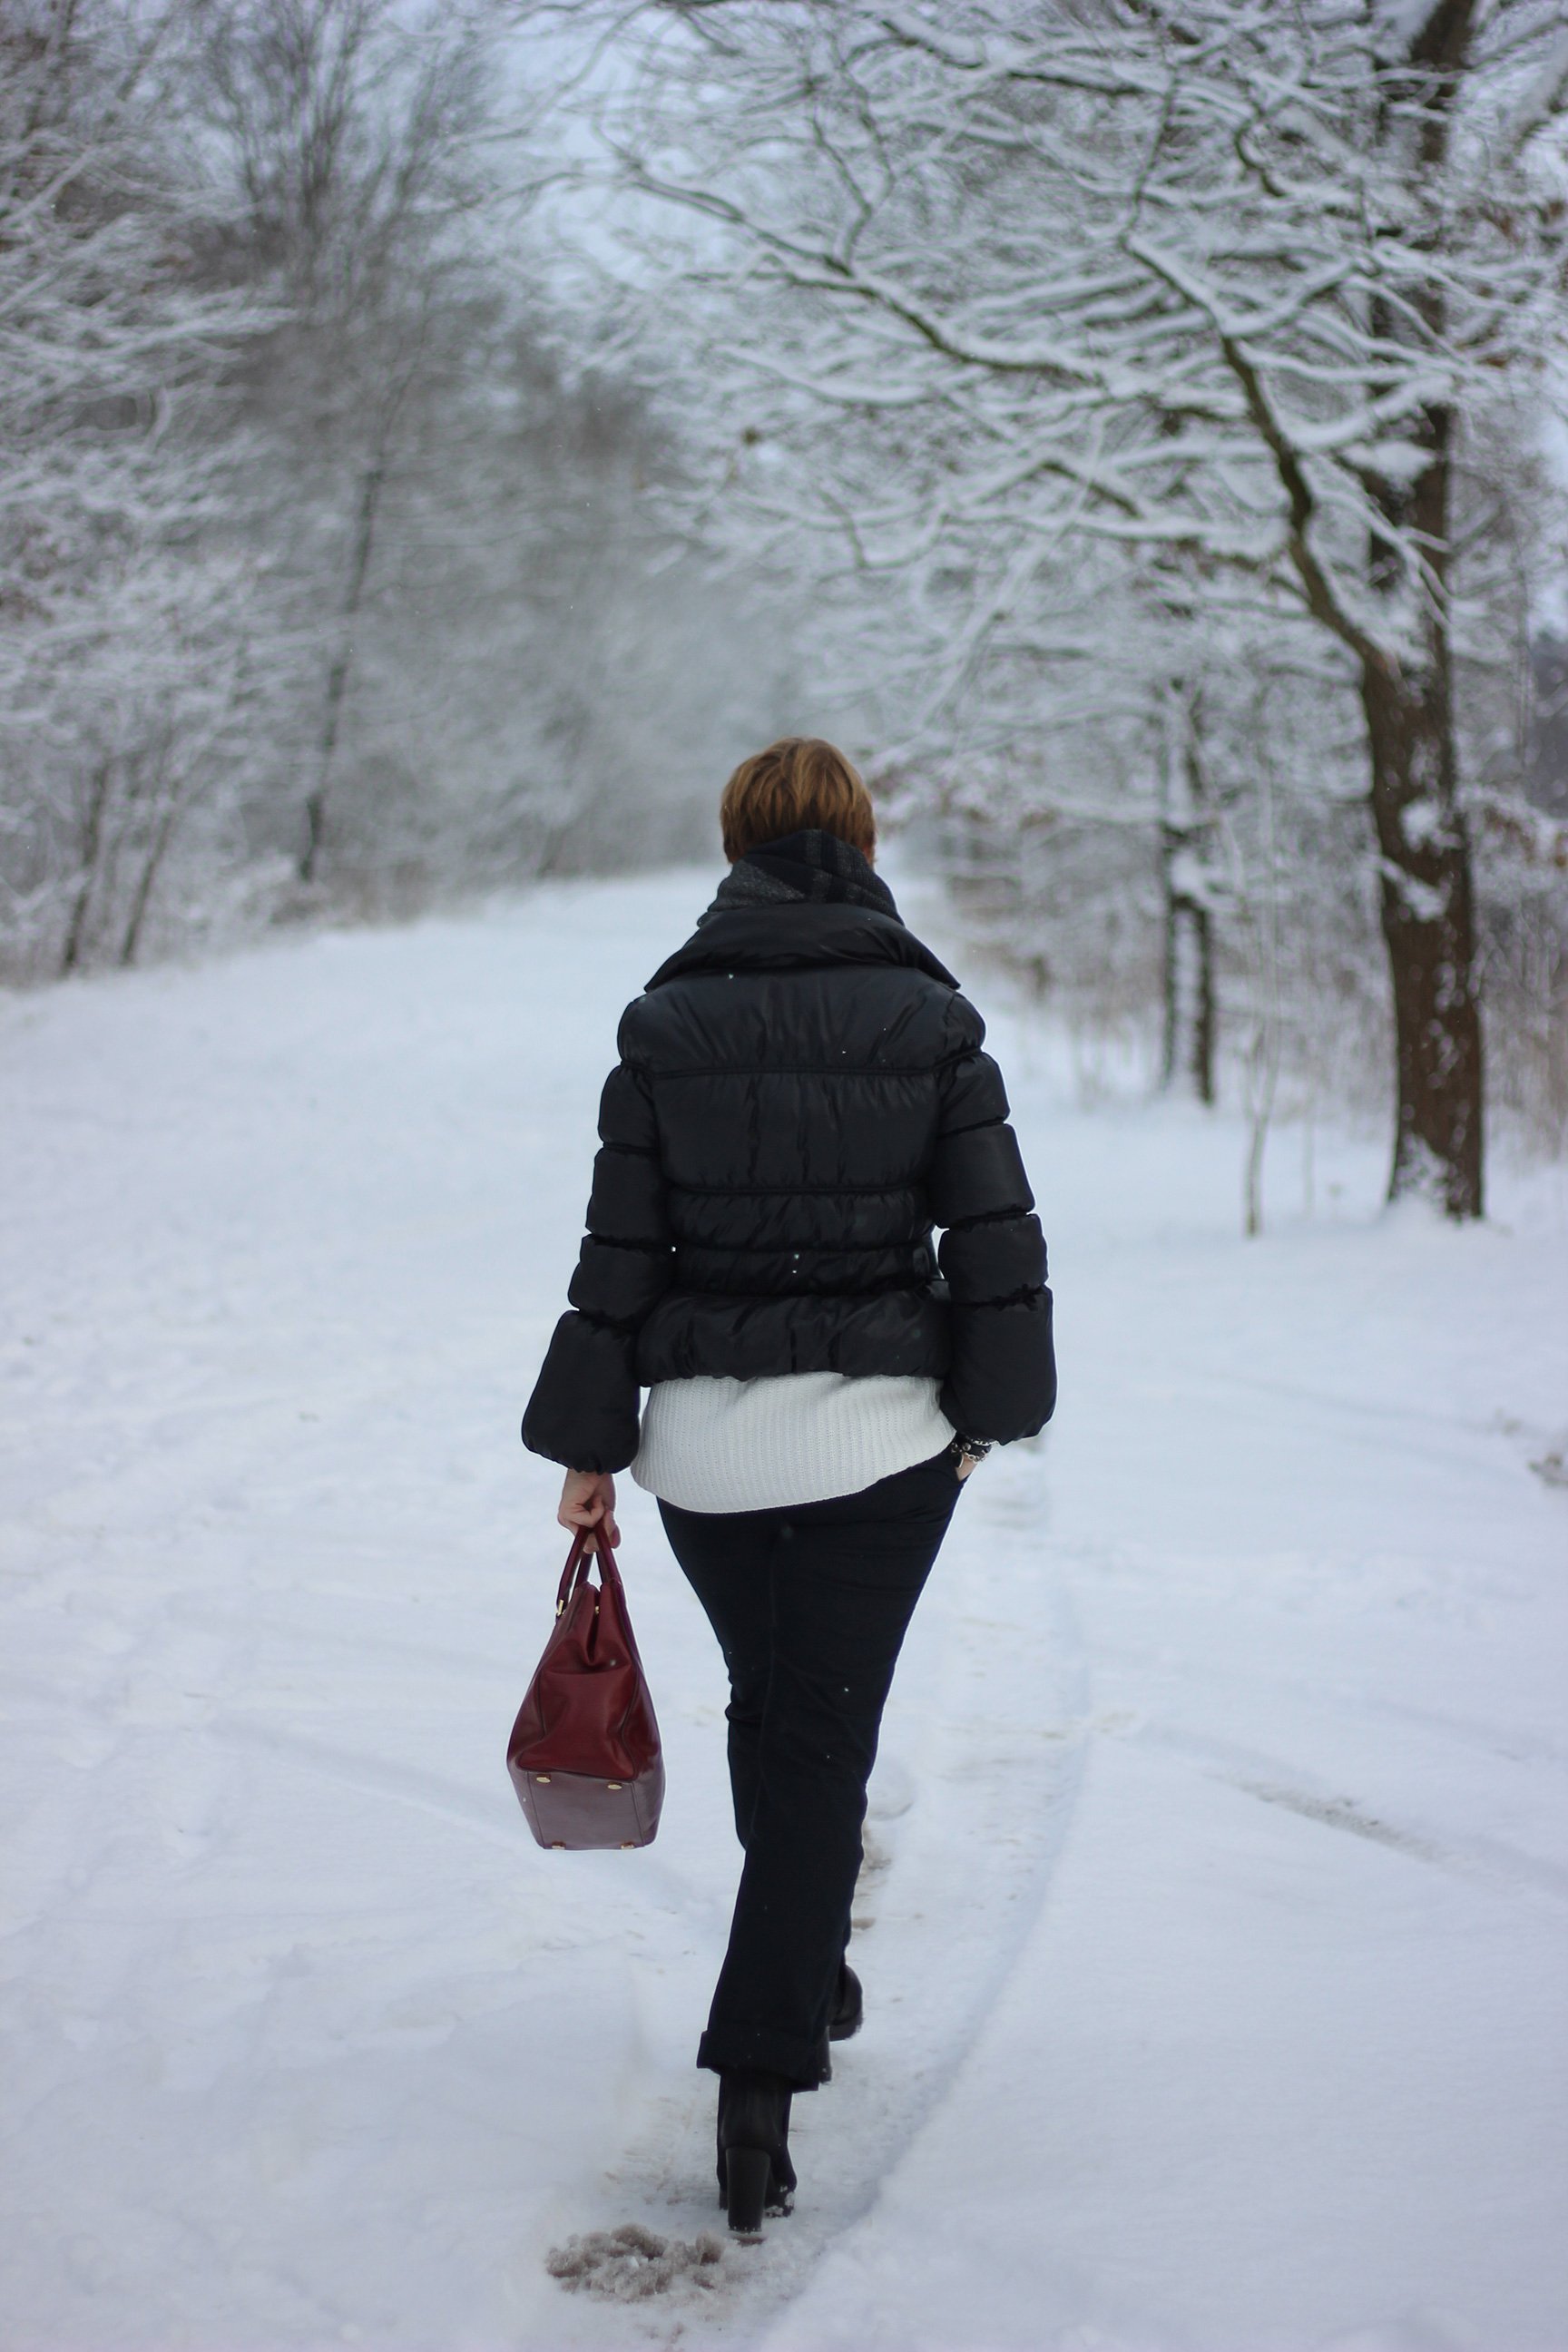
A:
[(755, 2173), (848, 2006)]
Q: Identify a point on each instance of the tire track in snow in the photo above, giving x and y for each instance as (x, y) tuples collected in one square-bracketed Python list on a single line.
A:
[(372, 1776), (1274, 1780), (1359, 1700)]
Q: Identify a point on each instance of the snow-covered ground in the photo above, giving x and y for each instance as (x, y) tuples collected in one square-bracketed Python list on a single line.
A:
[(1214, 1925)]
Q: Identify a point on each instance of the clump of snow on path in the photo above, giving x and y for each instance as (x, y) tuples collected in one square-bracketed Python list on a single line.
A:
[(631, 2264)]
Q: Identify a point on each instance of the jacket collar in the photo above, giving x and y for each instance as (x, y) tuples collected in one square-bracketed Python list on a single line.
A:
[(811, 863), (796, 937)]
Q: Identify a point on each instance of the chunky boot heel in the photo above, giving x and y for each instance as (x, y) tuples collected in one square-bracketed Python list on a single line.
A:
[(753, 2148), (750, 2172)]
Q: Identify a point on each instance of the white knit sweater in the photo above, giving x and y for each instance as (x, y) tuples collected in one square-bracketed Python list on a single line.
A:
[(800, 1437)]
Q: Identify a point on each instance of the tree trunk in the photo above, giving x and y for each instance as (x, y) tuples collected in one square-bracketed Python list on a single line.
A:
[(91, 852), (338, 676), (1423, 850), (1189, 993), (1428, 928), (163, 834), (1189, 1039)]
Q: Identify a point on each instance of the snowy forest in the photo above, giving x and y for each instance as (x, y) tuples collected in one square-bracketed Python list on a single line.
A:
[(439, 441)]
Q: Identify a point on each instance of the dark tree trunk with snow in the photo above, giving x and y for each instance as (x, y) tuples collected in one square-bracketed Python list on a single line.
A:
[(1423, 854), (164, 824), (1184, 825), (1428, 926), (1189, 986), (338, 676), (99, 790)]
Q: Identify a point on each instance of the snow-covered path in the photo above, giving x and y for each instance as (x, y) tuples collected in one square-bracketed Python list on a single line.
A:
[(1216, 1909)]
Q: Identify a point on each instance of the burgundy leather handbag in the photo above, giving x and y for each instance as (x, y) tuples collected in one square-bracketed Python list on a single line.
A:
[(584, 1755)]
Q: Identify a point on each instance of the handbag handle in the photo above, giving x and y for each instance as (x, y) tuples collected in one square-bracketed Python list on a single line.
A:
[(575, 1572)]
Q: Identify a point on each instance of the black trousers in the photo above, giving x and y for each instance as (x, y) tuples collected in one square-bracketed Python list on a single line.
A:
[(811, 1605)]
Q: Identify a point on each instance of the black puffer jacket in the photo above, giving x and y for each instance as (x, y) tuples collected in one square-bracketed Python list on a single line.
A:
[(801, 1096)]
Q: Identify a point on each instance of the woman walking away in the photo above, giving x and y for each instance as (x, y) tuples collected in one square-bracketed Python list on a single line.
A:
[(801, 1097)]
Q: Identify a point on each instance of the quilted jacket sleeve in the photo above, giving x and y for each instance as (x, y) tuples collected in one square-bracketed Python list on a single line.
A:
[(584, 1409), (1002, 1383)]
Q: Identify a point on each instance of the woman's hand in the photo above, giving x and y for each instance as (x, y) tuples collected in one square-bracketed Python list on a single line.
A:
[(588, 1500)]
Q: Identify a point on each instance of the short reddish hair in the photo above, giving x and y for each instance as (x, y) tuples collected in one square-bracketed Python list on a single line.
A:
[(797, 781)]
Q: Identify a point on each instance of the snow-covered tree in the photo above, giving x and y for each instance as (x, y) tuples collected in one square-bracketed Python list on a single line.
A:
[(345, 125), (122, 653), (1230, 294), (328, 542)]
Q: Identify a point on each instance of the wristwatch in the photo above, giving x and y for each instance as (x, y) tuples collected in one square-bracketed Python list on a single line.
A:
[(975, 1448)]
